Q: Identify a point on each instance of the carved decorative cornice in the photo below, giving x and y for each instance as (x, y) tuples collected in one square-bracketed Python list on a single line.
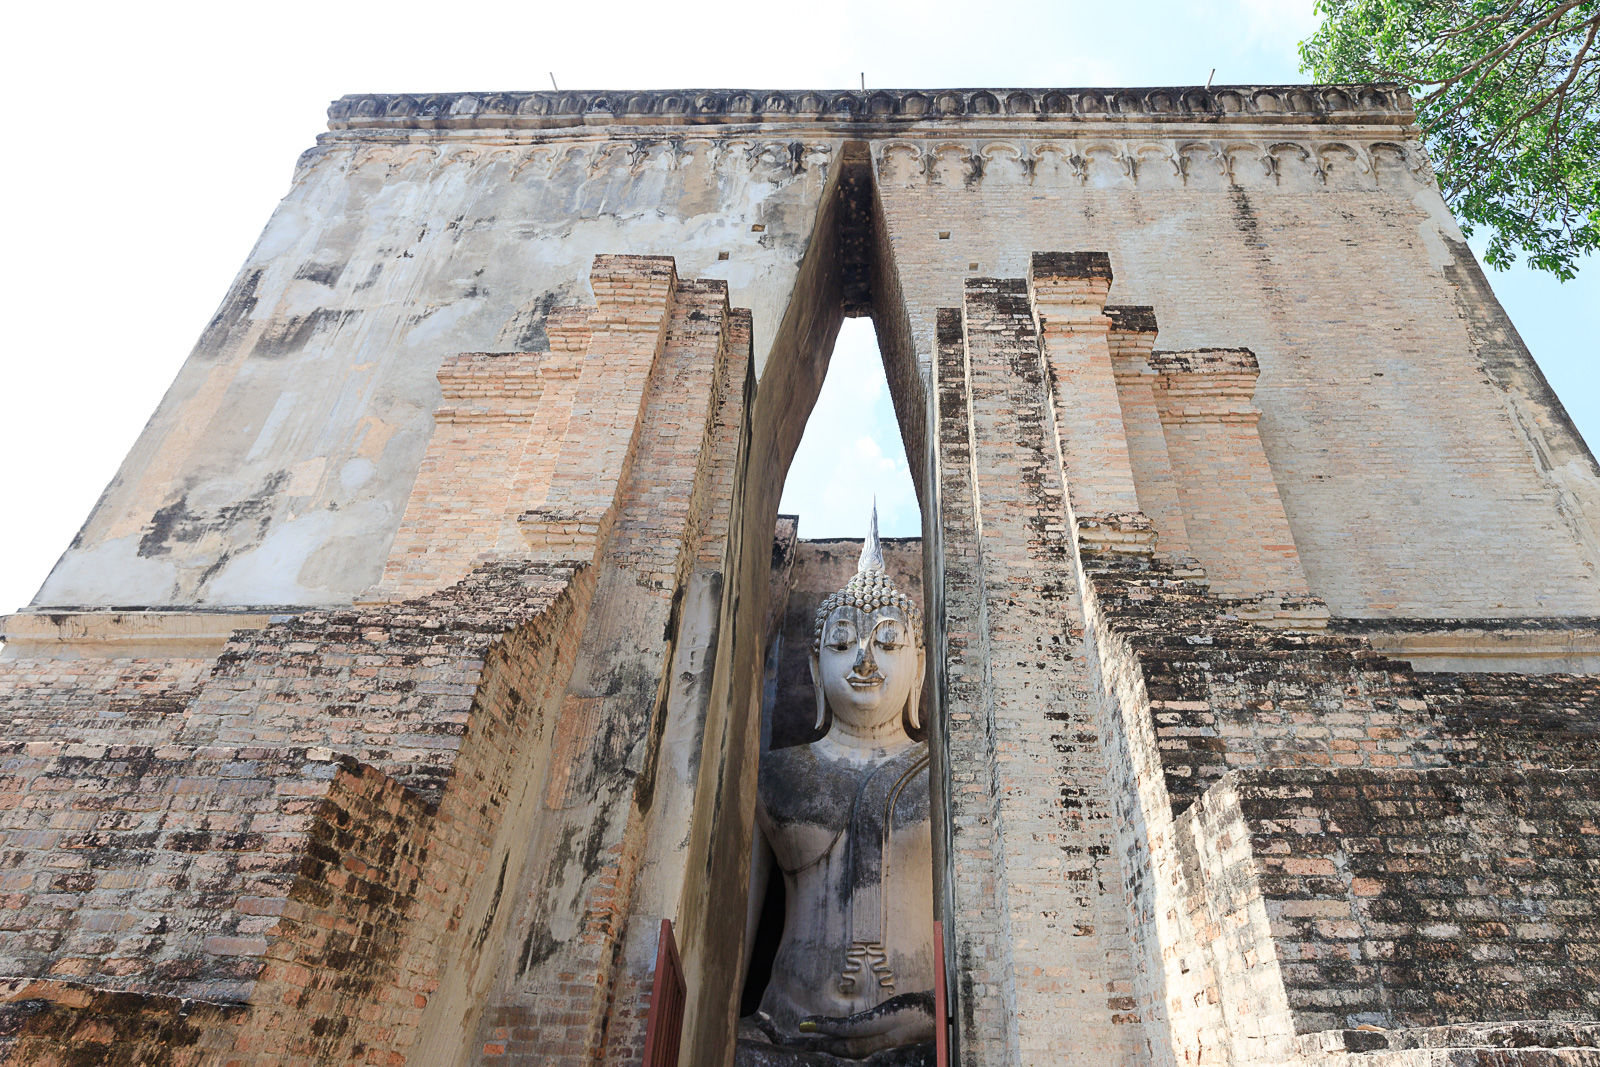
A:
[(1345, 104), (1045, 156)]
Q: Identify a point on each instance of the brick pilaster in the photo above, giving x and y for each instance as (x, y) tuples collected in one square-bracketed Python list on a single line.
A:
[(633, 298), (1133, 337), (582, 999), (496, 438), (1065, 928), (976, 912), (1233, 514), (1068, 291)]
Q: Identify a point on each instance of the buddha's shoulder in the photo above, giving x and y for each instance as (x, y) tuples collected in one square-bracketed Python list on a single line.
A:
[(803, 778), (797, 762)]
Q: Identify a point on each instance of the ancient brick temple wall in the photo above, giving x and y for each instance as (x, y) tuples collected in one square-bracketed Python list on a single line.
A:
[(306, 856), (1323, 250), (1415, 899), (1245, 216), (1334, 863), (579, 977), (443, 575), (1321, 854), (495, 448), (100, 701), (1037, 921), (336, 834), (310, 400)]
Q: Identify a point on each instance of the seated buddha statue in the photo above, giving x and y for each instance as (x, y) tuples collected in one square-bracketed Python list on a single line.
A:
[(846, 822)]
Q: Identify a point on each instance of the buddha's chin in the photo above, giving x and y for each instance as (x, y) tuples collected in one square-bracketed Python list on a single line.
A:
[(866, 710)]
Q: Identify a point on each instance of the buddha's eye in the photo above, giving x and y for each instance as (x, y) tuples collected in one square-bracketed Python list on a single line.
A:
[(889, 637)]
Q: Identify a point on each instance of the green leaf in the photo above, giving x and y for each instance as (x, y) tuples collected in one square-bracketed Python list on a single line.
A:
[(1507, 97)]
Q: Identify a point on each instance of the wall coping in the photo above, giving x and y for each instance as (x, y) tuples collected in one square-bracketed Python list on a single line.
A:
[(126, 633), (1379, 104)]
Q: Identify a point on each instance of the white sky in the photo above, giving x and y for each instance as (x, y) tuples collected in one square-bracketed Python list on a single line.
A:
[(851, 453), (149, 142)]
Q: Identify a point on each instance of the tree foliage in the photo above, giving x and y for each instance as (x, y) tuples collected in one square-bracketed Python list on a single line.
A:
[(1507, 94)]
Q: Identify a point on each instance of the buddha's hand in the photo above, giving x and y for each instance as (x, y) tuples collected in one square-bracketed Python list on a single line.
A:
[(903, 1020)]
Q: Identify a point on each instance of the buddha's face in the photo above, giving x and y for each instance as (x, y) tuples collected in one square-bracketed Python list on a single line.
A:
[(868, 665)]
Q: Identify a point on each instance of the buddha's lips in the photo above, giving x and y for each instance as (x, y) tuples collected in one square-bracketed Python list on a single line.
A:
[(871, 682)]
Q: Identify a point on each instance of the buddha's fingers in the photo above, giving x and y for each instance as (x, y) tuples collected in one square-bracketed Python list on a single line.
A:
[(902, 1020)]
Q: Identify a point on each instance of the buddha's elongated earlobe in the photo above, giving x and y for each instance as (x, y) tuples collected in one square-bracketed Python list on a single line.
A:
[(822, 723), (912, 720)]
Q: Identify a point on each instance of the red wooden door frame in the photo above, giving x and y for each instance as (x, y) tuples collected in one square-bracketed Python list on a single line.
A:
[(941, 1001), (664, 1025)]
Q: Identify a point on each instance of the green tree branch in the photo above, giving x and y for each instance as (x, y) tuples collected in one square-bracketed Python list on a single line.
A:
[(1507, 95)]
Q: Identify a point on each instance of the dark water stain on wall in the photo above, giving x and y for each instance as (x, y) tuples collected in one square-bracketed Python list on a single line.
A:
[(296, 332), (180, 523)]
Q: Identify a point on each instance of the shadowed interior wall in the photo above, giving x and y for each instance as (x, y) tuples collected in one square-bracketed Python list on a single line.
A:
[(788, 388)]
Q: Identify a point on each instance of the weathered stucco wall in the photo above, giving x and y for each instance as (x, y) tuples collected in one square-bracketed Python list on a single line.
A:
[(493, 793), (276, 469), (1425, 468), (1419, 478)]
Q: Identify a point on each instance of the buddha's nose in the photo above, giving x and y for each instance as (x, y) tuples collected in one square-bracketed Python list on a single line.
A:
[(865, 663)]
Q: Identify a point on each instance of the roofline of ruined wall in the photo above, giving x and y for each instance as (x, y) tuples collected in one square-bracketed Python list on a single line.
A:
[(883, 110)]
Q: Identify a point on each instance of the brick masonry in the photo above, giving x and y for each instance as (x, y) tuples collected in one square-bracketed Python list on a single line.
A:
[(507, 579), (1273, 257), (580, 979), (499, 428), (1339, 839), (1040, 930), (306, 832), (357, 784), (1305, 855)]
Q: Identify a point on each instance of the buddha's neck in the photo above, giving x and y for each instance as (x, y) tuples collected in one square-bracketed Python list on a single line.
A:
[(866, 739)]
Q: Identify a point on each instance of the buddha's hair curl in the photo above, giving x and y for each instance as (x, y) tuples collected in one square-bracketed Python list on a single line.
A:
[(869, 590)]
